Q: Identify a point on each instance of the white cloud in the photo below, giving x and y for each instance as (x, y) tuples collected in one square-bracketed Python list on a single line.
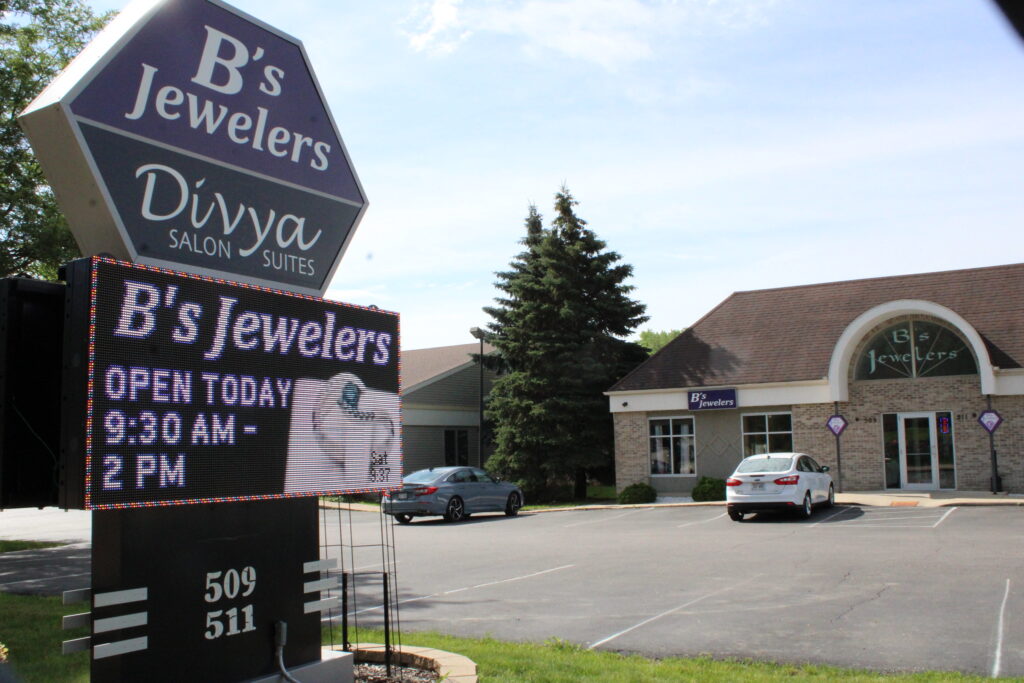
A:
[(441, 30), (609, 33)]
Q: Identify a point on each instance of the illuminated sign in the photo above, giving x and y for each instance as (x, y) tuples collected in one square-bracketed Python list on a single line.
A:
[(201, 390), (711, 399), (189, 135)]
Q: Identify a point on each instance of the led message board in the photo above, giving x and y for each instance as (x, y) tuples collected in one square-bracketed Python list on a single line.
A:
[(202, 390), (192, 136)]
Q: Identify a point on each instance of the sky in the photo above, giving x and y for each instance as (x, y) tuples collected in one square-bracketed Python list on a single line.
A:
[(716, 145)]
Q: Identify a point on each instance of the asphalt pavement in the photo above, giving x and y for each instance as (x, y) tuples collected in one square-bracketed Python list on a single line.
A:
[(910, 583)]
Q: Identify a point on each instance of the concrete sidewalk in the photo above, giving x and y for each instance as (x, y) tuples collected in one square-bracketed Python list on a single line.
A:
[(928, 499)]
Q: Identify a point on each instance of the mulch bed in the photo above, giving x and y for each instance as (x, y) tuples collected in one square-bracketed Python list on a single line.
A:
[(377, 673)]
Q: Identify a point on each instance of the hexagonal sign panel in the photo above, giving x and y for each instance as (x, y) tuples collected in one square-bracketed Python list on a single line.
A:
[(192, 136)]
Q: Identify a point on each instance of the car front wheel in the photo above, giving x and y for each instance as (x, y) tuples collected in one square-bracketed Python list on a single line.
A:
[(831, 496), (807, 508), (514, 503), (456, 510)]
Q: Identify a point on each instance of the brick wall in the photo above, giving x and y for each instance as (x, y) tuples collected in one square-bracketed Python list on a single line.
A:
[(861, 444)]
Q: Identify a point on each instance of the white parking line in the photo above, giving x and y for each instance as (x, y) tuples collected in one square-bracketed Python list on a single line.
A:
[(604, 519), (834, 514), (997, 662), (943, 519), (464, 588), (703, 521), (668, 612)]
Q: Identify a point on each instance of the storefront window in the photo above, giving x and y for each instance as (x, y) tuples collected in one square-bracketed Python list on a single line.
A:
[(672, 446), (767, 433), (891, 444), (947, 466), (456, 447), (915, 348)]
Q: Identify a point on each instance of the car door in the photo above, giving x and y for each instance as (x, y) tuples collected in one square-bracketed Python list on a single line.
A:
[(490, 491), (824, 479), (459, 485), (814, 474), (806, 470)]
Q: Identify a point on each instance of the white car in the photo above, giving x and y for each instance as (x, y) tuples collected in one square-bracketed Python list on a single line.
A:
[(778, 481)]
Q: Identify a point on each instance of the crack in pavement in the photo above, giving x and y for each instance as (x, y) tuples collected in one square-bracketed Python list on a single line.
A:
[(861, 603)]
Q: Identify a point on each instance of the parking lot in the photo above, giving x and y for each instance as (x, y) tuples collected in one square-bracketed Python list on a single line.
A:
[(883, 588), (880, 588)]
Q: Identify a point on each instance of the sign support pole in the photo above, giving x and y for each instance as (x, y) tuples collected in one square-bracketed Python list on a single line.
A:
[(839, 458), (992, 452)]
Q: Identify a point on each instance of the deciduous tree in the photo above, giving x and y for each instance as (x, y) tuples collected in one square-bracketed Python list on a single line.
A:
[(653, 340), (37, 39)]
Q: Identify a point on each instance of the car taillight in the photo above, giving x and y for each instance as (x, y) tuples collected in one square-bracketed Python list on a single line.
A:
[(732, 482), (788, 481), (424, 491)]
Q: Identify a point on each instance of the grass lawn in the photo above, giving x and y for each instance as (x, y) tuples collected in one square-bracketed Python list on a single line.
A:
[(12, 546), (30, 628), (560, 662)]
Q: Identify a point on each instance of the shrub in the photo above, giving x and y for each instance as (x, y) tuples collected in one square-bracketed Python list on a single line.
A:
[(709, 488), (637, 493)]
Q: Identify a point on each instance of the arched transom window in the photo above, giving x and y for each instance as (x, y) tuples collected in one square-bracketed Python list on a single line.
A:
[(915, 348)]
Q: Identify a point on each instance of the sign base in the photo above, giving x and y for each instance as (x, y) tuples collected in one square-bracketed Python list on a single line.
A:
[(195, 592)]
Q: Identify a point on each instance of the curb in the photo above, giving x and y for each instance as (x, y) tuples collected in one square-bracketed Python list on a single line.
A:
[(448, 665)]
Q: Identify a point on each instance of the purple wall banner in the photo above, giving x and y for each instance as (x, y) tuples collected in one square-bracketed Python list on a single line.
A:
[(711, 399), (191, 136)]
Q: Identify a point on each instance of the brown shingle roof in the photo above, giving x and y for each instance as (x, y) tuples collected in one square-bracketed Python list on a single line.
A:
[(788, 334), (420, 365)]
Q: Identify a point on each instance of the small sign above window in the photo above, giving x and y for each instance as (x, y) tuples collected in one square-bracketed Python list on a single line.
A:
[(711, 399)]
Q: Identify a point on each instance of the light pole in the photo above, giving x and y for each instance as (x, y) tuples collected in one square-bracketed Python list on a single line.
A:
[(479, 334)]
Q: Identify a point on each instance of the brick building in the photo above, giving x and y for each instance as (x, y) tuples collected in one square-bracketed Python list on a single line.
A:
[(909, 361)]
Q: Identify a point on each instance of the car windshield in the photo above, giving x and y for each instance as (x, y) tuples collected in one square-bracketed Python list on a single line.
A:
[(769, 464), (424, 476)]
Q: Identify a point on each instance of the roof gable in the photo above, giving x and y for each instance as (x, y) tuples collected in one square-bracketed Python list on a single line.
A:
[(424, 366), (788, 334)]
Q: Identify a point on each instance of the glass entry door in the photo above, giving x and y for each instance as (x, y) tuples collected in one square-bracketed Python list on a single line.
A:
[(919, 461)]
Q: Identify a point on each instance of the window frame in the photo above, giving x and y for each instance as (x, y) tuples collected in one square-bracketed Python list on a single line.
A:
[(456, 434), (692, 436), (767, 431)]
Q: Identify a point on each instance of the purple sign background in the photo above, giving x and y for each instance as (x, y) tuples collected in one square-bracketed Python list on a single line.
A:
[(990, 420), (277, 92), (836, 424), (711, 399)]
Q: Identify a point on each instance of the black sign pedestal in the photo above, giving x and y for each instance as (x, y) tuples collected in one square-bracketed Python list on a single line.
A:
[(237, 570)]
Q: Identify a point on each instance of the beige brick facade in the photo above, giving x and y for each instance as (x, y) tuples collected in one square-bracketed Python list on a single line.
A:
[(861, 444)]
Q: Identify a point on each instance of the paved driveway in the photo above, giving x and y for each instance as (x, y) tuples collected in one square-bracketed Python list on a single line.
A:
[(881, 588)]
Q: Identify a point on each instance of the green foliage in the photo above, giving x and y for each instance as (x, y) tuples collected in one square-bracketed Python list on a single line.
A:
[(709, 488), (636, 494), (37, 39), (655, 341), (30, 627), (14, 546), (559, 332)]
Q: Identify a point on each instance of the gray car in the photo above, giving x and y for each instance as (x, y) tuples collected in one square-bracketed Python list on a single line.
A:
[(452, 492)]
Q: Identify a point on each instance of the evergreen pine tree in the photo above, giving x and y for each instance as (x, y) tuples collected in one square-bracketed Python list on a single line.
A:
[(560, 336)]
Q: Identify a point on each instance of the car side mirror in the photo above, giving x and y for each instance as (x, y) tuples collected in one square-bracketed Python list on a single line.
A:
[(824, 468)]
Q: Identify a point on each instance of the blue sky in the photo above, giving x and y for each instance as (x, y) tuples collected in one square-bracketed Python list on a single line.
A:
[(717, 145)]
